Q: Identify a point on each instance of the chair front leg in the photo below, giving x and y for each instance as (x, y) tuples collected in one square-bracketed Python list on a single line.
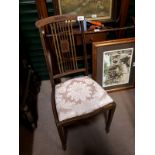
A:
[(110, 117), (62, 135)]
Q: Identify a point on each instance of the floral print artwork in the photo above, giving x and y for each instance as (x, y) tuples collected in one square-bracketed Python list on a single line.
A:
[(79, 96)]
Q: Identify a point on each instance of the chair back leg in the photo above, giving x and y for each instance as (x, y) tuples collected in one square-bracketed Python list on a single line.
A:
[(110, 117), (62, 135)]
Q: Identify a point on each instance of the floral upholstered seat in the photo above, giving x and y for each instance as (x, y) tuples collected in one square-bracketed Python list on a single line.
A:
[(79, 96)]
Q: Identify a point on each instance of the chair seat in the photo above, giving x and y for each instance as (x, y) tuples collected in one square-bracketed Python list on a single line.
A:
[(79, 96)]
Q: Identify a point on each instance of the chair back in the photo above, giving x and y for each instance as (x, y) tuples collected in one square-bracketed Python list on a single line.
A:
[(60, 45)]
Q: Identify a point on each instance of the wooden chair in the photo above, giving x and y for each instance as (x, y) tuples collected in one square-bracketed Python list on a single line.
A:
[(78, 98)]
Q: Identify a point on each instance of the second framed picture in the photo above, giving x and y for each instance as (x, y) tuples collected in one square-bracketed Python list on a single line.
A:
[(103, 10), (114, 63)]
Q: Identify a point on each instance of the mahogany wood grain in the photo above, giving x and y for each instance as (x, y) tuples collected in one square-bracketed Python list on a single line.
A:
[(41, 8), (123, 16)]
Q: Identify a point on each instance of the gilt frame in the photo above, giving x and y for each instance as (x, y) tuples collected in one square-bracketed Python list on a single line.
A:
[(92, 9)]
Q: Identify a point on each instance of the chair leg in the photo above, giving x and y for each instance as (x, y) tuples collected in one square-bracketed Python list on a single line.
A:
[(110, 117), (62, 135), (105, 115)]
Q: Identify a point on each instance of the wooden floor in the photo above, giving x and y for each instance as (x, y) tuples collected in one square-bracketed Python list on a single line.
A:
[(89, 138)]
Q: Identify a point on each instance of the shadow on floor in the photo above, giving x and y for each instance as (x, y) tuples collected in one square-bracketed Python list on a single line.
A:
[(25, 141)]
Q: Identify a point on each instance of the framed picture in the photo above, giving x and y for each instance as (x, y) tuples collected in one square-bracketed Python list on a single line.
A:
[(114, 63), (91, 9)]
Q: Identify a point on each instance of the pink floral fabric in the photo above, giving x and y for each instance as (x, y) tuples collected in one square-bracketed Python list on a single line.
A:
[(79, 96)]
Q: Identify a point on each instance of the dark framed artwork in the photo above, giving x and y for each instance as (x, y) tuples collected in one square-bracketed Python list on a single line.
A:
[(92, 9), (114, 63)]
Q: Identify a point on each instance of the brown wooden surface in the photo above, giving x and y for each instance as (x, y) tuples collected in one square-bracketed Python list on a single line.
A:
[(53, 19), (123, 12), (92, 37), (87, 116), (41, 8), (56, 7), (123, 15), (69, 72), (101, 35), (120, 89)]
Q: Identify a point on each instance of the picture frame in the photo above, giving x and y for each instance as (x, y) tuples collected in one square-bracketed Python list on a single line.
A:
[(114, 64), (101, 10)]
